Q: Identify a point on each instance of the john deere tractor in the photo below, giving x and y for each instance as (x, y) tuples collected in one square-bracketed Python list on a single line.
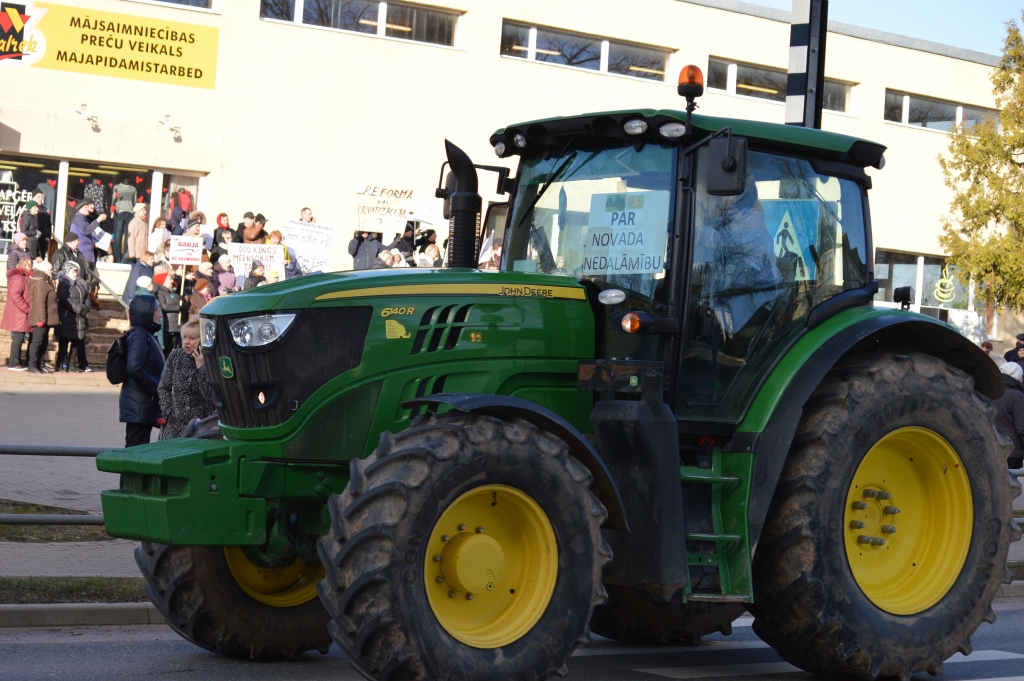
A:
[(673, 401)]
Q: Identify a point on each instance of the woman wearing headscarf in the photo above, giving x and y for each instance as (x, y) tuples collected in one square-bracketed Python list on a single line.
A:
[(184, 391), (73, 307), (15, 317)]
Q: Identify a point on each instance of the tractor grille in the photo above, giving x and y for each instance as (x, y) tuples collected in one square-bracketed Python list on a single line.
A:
[(321, 344), (436, 322)]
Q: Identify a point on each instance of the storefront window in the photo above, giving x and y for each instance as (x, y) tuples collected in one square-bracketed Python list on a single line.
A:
[(893, 271), (20, 178), (180, 195)]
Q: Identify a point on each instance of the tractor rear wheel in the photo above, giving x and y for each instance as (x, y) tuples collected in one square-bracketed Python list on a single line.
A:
[(632, 616), (887, 537), (466, 547), (219, 599)]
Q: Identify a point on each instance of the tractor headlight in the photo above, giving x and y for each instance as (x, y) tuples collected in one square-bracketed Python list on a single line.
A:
[(252, 332), (208, 331)]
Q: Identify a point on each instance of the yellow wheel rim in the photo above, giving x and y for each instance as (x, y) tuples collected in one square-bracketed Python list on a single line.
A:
[(286, 587), (908, 521), (491, 566)]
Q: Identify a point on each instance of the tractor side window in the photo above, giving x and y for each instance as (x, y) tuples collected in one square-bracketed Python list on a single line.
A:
[(761, 262)]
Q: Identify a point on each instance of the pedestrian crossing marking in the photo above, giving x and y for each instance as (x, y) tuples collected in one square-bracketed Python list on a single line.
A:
[(762, 668), (709, 646)]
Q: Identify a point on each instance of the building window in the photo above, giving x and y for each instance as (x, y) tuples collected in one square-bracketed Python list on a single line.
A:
[(934, 114), (205, 4), (582, 51), (385, 19), (762, 82)]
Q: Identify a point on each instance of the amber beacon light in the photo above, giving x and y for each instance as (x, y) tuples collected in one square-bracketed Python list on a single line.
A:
[(691, 82)]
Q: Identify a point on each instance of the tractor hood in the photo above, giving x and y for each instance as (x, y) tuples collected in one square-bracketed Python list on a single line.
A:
[(352, 287)]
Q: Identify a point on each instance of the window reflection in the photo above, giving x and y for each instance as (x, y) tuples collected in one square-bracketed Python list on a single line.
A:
[(640, 62), (515, 40), (350, 15), (421, 25), (556, 47), (762, 83)]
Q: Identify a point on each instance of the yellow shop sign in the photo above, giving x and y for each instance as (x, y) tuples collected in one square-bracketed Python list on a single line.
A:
[(51, 36)]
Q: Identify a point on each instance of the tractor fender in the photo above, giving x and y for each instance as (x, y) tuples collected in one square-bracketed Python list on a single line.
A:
[(890, 331), (502, 406)]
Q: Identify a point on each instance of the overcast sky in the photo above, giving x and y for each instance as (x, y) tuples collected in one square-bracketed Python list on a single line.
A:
[(976, 25)]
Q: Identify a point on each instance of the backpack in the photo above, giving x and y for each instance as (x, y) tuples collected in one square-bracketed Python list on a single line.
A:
[(117, 360)]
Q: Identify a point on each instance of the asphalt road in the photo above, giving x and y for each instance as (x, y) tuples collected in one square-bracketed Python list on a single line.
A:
[(155, 651)]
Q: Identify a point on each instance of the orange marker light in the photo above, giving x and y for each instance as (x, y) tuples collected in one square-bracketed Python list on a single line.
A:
[(691, 82), (631, 322)]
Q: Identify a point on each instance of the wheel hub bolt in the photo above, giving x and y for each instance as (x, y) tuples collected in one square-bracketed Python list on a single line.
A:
[(445, 537), (451, 594), (888, 529), (856, 525), (863, 539), (871, 494), (461, 527), (469, 597), (890, 510), (437, 558), (884, 496), (859, 506), (439, 580), (479, 530), (877, 541)]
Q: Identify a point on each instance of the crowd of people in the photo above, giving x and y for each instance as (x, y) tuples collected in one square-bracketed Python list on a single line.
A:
[(407, 250), (54, 288)]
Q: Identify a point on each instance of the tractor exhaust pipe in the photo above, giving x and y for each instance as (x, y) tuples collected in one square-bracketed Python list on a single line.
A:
[(465, 204)]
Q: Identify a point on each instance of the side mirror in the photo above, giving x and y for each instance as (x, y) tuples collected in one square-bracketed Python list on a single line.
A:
[(727, 166)]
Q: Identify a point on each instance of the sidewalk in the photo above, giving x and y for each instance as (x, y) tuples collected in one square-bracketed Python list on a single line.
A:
[(91, 381), (69, 559)]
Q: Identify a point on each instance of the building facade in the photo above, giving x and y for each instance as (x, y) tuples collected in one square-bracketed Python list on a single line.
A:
[(343, 105)]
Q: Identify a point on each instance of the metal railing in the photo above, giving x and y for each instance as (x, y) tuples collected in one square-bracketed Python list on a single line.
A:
[(45, 518)]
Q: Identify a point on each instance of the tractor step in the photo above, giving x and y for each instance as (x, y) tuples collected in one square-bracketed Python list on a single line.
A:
[(738, 598), (711, 479), (697, 536)]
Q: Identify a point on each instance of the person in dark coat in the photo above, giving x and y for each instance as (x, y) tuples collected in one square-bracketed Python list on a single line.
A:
[(19, 250), (255, 277), (69, 251), (85, 227), (406, 245), (15, 317), (140, 400), (1011, 354), (364, 250), (166, 291), (143, 267), (200, 297), (29, 226), (184, 390), (206, 272), (42, 315), (45, 222), (1010, 412), (73, 307)]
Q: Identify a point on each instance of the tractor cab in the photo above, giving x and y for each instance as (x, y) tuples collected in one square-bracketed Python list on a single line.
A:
[(716, 282)]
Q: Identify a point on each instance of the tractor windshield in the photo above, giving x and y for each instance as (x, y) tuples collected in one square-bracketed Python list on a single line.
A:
[(602, 215)]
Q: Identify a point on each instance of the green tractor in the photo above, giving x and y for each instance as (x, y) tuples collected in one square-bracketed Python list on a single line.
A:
[(673, 402)]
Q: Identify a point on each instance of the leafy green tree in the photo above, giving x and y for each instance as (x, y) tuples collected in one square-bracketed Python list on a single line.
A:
[(985, 169)]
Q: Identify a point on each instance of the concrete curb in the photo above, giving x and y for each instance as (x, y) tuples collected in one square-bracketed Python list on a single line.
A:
[(78, 614), (96, 379), (85, 614)]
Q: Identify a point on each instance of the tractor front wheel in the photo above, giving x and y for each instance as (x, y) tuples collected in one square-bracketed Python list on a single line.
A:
[(465, 547), (887, 537), (224, 600)]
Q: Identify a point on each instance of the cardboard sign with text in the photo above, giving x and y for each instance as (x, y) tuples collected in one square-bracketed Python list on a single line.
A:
[(185, 250), (313, 244), (242, 256), (383, 209)]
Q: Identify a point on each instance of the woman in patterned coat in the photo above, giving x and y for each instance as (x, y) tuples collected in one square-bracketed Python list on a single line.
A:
[(184, 392)]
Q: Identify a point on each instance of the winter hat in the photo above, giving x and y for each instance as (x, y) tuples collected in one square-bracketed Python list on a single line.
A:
[(255, 264), (30, 205), (71, 238), (139, 208), (248, 214), (70, 266), (18, 236), (260, 219), (201, 285), (143, 281), (224, 260), (1013, 370), (273, 273), (160, 278), (194, 221), (206, 267), (43, 266)]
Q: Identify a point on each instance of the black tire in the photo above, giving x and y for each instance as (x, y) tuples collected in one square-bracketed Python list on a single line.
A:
[(632, 616), (374, 586), (807, 604), (194, 590)]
